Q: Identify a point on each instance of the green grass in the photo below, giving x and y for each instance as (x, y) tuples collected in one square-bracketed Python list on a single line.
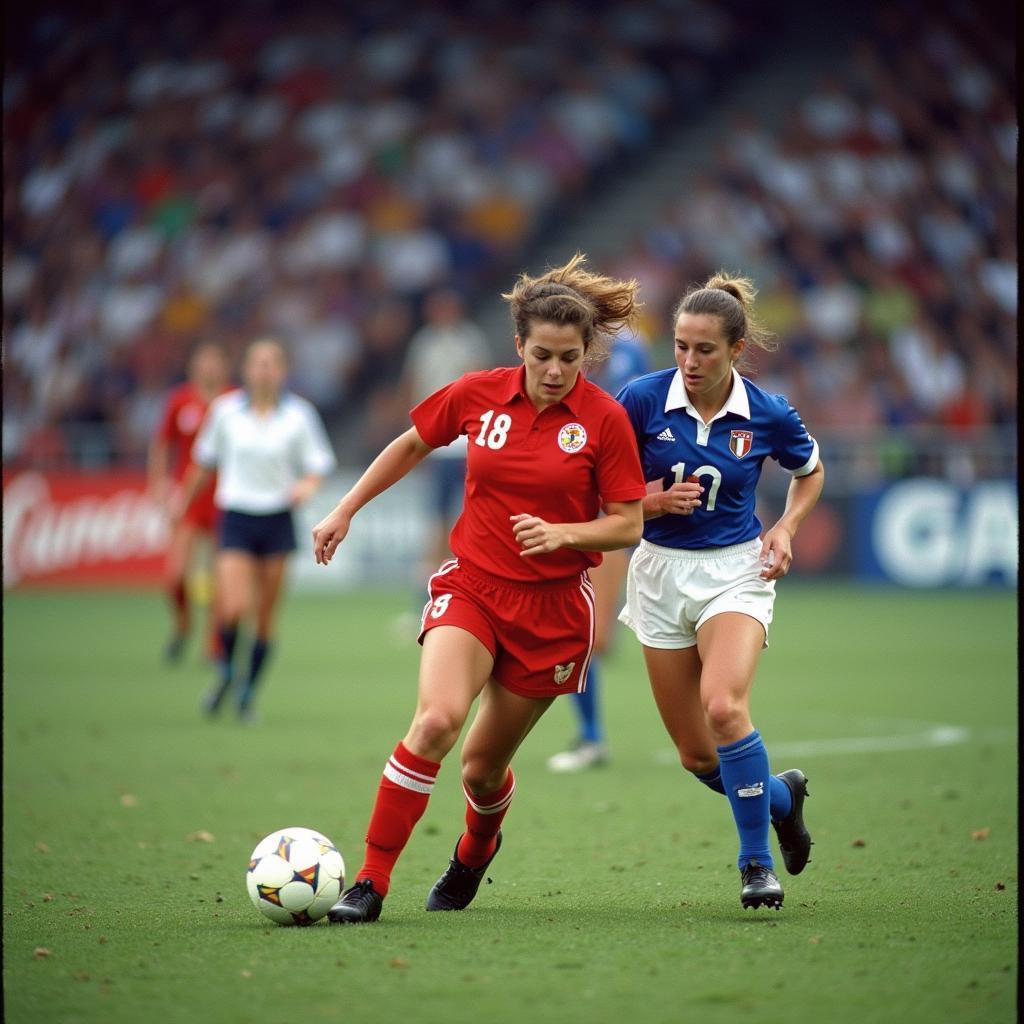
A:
[(615, 896)]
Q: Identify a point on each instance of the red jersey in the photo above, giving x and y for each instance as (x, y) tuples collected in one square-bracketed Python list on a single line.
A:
[(560, 463), (183, 415)]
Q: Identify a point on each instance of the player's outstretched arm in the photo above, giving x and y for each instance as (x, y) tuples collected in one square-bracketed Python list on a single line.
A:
[(157, 463), (777, 545), (620, 527), (406, 452)]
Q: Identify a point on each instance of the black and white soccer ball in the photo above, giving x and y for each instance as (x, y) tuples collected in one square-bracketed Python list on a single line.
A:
[(295, 876)]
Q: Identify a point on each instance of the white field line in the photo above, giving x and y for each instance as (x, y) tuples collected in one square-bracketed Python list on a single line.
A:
[(935, 735)]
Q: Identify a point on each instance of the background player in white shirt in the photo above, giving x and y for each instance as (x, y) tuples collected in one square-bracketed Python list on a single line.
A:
[(701, 586), (271, 453)]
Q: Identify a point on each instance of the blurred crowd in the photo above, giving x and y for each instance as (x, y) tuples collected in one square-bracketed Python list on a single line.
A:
[(190, 173), (315, 172), (880, 226)]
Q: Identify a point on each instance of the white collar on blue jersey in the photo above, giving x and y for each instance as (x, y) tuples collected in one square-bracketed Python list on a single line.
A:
[(737, 402)]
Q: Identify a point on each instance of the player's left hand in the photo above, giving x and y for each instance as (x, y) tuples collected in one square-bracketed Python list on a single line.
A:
[(535, 535), (776, 554)]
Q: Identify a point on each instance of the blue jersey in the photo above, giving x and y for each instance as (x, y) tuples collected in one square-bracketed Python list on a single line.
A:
[(627, 360), (725, 455)]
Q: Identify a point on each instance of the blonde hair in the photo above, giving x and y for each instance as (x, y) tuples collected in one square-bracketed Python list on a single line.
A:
[(731, 299), (599, 306)]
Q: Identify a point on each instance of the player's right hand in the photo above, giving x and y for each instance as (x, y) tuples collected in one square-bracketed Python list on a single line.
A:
[(328, 534), (174, 506), (681, 499)]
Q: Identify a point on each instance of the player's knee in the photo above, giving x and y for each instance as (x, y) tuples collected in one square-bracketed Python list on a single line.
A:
[(697, 762), (434, 731), (724, 716), (481, 776), (232, 612)]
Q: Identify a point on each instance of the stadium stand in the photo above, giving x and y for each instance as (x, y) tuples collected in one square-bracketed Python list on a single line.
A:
[(311, 172)]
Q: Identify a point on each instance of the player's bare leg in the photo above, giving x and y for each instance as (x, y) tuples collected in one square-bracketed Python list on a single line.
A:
[(730, 645), (675, 683), (206, 542), (179, 557), (269, 577), (589, 749), (454, 667), (502, 722)]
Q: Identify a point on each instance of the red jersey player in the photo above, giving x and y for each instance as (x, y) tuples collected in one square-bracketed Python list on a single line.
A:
[(510, 619), (183, 414)]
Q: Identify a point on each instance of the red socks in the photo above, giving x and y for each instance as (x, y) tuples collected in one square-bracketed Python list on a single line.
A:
[(179, 602), (484, 815), (401, 800)]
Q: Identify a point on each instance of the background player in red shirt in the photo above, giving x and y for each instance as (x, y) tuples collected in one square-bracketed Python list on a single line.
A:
[(510, 618), (169, 459)]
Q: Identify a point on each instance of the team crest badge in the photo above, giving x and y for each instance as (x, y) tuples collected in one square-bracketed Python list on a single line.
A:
[(740, 442), (572, 437), (562, 672)]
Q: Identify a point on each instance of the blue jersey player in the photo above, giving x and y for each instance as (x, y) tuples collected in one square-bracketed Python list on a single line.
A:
[(701, 586), (627, 360)]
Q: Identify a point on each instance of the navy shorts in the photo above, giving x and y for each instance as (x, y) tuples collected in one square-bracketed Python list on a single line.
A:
[(261, 536)]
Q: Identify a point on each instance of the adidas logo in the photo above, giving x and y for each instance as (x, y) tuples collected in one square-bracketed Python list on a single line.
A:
[(666, 435)]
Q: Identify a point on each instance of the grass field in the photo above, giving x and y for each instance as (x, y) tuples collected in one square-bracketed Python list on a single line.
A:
[(615, 896)]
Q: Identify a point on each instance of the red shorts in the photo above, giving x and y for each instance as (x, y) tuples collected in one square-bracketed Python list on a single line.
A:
[(202, 514), (541, 635)]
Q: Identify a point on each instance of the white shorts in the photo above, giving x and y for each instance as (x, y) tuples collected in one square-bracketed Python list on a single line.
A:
[(672, 592)]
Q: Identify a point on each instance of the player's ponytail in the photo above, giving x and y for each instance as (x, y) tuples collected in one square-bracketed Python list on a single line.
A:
[(599, 306), (731, 299)]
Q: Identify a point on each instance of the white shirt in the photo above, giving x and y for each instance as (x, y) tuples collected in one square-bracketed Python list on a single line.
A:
[(260, 458)]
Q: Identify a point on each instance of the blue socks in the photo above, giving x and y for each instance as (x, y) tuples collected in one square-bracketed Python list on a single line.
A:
[(260, 650), (228, 638), (780, 798), (746, 780), (586, 708)]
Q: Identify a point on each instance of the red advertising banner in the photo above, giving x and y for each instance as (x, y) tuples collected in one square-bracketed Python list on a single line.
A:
[(81, 529)]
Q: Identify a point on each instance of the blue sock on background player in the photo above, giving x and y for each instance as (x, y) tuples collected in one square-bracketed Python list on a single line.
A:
[(587, 709), (780, 797), (260, 650), (747, 781)]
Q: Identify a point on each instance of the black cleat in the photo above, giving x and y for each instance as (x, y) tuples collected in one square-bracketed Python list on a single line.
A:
[(761, 887), (175, 648), (794, 839), (215, 697), (455, 889), (359, 905)]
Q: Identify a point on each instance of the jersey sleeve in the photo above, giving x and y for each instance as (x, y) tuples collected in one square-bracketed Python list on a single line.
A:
[(438, 418), (619, 476), (628, 400), (206, 449), (317, 455), (793, 448)]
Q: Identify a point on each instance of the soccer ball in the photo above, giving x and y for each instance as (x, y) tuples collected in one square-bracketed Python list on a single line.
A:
[(295, 876)]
